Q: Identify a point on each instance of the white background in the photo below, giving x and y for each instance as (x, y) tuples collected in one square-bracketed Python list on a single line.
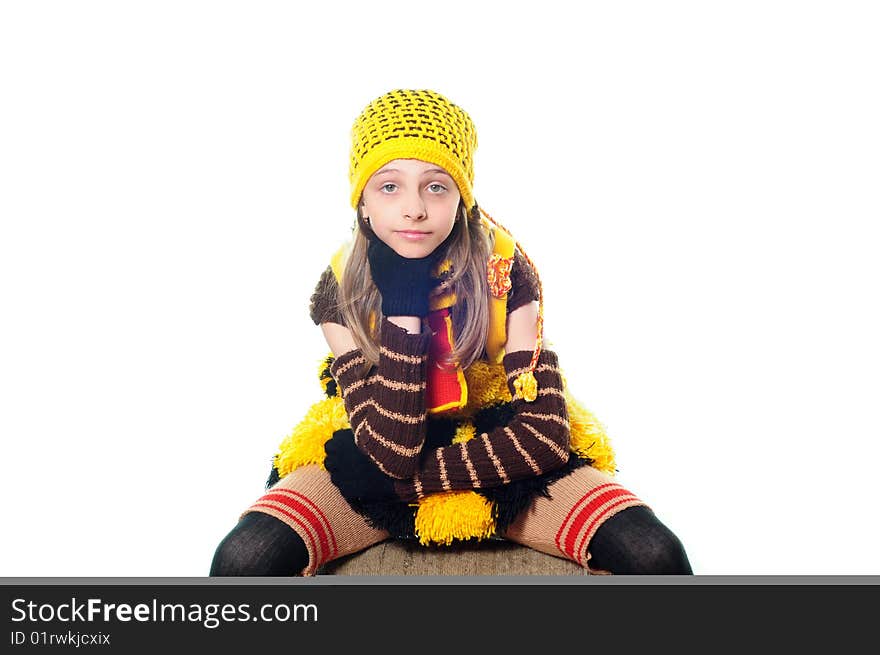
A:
[(696, 182)]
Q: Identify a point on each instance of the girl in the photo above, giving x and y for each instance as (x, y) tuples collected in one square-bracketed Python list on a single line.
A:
[(444, 417)]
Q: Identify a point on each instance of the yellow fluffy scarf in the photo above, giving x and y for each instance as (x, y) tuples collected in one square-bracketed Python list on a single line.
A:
[(443, 517)]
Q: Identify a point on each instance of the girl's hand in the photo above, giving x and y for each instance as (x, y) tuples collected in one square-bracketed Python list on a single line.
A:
[(404, 283)]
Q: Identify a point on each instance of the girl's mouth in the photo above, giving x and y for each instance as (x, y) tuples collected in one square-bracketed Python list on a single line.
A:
[(414, 236)]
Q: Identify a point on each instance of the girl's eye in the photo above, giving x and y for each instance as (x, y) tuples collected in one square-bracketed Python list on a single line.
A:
[(385, 186)]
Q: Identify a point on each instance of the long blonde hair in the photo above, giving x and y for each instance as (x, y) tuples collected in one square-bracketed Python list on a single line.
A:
[(469, 251)]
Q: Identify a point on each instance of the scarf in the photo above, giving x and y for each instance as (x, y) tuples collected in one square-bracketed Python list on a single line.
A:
[(446, 387)]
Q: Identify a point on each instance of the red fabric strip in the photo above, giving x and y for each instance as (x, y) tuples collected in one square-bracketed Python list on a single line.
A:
[(300, 523), (597, 500), (575, 507), (596, 521), (306, 513), (317, 511), (442, 386)]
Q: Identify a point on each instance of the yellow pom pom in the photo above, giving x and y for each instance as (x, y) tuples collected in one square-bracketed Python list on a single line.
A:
[(305, 444), (443, 517), (588, 436), (464, 432), (526, 386)]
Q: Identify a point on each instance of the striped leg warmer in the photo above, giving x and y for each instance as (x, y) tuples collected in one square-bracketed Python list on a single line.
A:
[(310, 504), (564, 524)]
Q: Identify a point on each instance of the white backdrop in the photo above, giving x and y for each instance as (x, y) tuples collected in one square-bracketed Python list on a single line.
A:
[(696, 182)]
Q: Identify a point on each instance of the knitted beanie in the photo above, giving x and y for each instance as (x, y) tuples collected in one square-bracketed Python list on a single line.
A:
[(413, 124), (423, 124)]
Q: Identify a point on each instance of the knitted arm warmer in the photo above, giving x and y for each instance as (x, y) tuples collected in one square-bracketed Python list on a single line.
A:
[(322, 304), (535, 441), (386, 409), (524, 283)]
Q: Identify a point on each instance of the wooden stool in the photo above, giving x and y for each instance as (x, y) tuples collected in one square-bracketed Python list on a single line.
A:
[(490, 557)]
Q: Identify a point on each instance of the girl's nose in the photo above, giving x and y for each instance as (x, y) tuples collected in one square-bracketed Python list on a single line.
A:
[(414, 207)]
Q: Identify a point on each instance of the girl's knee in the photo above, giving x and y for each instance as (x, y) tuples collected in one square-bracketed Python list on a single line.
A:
[(233, 557), (635, 542), (664, 555), (260, 545)]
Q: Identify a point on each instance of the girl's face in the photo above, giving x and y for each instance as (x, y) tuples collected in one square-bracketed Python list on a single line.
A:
[(411, 205)]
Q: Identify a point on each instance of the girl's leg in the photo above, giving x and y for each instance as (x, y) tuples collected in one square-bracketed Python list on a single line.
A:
[(589, 501), (636, 542), (260, 545), (318, 526)]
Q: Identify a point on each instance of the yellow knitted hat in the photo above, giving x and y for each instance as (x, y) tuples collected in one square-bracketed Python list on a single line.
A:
[(413, 124)]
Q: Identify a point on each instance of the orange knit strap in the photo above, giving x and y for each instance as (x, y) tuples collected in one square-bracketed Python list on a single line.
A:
[(525, 382), (499, 275)]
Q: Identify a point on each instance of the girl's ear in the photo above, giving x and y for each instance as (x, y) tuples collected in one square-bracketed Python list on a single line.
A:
[(365, 228)]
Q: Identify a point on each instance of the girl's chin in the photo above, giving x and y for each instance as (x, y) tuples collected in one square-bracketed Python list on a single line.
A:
[(413, 250)]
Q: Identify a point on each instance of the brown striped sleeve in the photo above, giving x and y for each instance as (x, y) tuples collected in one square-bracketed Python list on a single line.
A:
[(535, 441), (386, 409)]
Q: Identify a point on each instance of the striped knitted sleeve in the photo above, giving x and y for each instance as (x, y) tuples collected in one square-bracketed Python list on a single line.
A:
[(386, 409), (534, 441)]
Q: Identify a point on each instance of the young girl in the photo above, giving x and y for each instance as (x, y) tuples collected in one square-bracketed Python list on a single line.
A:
[(444, 417)]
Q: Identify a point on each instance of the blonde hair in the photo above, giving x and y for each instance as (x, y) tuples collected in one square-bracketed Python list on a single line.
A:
[(469, 251)]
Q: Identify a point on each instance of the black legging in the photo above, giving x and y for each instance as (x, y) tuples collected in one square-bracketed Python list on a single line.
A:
[(260, 545), (633, 541)]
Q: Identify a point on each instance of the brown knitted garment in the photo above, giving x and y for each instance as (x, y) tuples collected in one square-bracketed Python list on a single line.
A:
[(386, 409), (388, 416), (535, 441)]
